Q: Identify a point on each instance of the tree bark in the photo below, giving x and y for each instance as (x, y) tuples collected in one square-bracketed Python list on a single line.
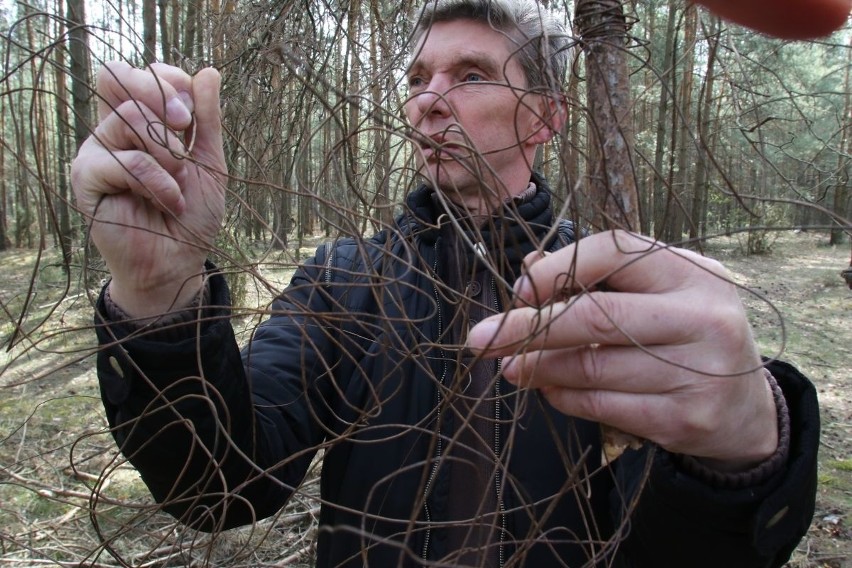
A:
[(698, 226), (218, 39), (352, 91), (660, 197), (684, 117), (61, 196), (574, 121), (611, 180), (4, 233), (380, 87), (165, 36), (78, 48), (175, 55), (149, 30), (189, 29)]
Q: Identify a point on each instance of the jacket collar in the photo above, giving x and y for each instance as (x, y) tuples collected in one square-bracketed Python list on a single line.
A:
[(516, 230)]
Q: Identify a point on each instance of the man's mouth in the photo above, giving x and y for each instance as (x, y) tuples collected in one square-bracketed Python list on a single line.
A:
[(438, 147)]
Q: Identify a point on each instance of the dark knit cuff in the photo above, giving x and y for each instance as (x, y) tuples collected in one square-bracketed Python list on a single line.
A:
[(174, 325), (185, 314), (761, 472)]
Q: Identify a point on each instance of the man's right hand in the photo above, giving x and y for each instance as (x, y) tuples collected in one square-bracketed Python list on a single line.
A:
[(150, 181)]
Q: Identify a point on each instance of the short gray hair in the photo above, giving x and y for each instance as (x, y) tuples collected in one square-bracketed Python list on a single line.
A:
[(543, 46)]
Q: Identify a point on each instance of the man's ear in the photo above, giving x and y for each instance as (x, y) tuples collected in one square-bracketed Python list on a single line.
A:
[(550, 116)]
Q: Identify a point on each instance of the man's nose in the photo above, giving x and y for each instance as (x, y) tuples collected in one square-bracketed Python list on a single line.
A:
[(432, 100)]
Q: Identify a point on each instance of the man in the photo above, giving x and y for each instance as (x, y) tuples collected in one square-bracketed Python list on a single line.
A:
[(454, 369)]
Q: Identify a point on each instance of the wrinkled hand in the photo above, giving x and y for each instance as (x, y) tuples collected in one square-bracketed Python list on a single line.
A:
[(662, 351), (150, 181)]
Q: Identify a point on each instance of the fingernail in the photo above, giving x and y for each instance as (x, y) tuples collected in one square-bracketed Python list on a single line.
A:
[(186, 98), (507, 367), (521, 285), (481, 335), (177, 113)]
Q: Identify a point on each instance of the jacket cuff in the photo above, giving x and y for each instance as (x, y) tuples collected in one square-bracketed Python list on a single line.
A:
[(171, 326), (129, 353), (773, 516)]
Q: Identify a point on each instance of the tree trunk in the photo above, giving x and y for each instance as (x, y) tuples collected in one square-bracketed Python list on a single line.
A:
[(282, 220), (61, 196), (684, 118), (660, 197), (645, 173), (24, 214), (379, 55), (189, 29), (4, 234), (698, 226), (574, 121), (165, 36), (841, 189), (612, 184), (218, 36), (174, 36), (672, 215), (81, 92), (40, 169), (149, 30), (352, 90)]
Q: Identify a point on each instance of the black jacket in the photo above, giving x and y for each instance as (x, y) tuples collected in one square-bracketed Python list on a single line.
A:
[(351, 362)]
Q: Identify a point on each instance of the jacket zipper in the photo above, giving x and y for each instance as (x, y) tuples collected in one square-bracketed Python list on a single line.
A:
[(498, 477), (329, 259), (438, 402)]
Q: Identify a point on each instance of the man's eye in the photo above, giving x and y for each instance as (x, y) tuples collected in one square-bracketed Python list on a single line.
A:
[(473, 78), (414, 82)]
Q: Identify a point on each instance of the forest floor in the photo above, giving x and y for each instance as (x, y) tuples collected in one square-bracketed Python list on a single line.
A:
[(66, 498), (799, 283)]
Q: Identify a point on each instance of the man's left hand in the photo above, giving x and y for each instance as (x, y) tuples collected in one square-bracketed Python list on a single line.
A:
[(649, 339)]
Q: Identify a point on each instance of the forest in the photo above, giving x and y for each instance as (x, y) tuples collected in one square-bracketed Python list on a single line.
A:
[(731, 131), (731, 137)]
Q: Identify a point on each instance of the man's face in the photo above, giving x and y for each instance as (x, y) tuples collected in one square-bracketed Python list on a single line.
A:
[(475, 127)]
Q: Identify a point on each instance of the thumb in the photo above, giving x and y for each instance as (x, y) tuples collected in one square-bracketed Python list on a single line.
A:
[(207, 135)]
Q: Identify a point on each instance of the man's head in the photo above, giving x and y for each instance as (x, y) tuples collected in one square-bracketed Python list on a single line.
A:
[(484, 93), (539, 38)]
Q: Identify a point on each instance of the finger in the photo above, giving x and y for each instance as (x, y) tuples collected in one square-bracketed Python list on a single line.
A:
[(699, 422), (645, 369), (208, 119), (110, 173), (653, 417), (789, 19), (527, 263), (134, 127), (678, 423), (623, 261), (163, 89), (600, 318)]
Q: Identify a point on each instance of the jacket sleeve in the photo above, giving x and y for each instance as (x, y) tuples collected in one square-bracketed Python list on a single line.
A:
[(682, 521), (220, 438)]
